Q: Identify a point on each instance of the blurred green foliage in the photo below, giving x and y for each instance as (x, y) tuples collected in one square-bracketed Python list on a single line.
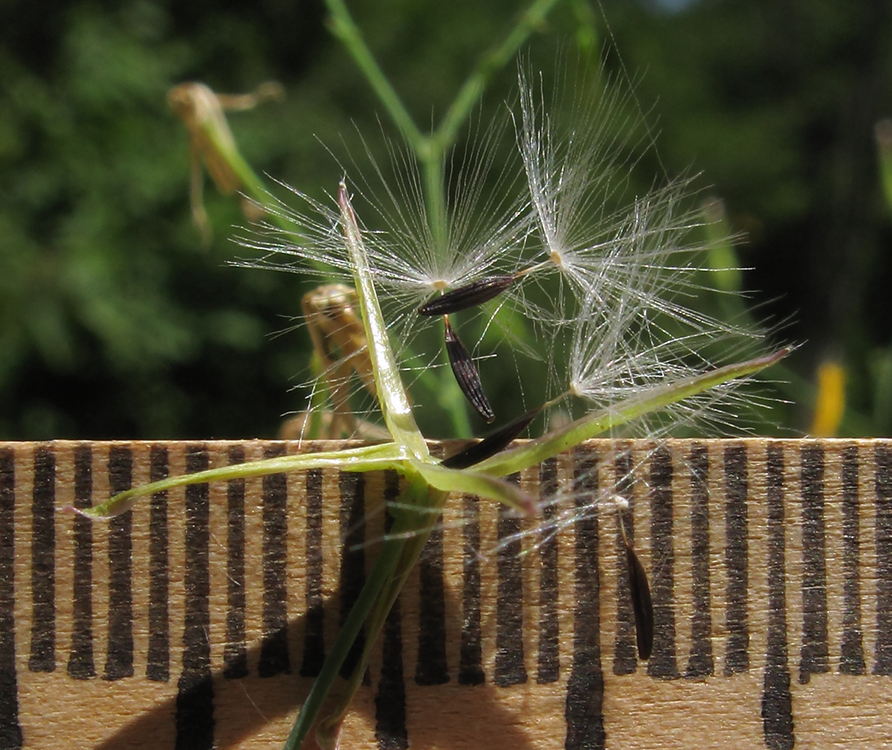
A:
[(115, 322)]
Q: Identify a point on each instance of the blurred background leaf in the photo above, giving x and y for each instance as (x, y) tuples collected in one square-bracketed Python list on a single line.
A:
[(115, 321)]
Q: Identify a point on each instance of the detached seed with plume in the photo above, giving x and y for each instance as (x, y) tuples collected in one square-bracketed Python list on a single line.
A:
[(491, 444), (466, 373), (642, 603), (469, 295)]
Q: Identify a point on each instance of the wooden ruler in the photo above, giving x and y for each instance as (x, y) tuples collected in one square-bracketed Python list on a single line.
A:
[(199, 619)]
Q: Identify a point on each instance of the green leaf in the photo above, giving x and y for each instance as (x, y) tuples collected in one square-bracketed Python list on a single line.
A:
[(493, 488), (592, 425), (364, 458), (392, 396)]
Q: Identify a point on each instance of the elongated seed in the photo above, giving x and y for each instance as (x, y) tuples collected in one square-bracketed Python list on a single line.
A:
[(466, 373), (491, 444), (469, 295), (642, 604)]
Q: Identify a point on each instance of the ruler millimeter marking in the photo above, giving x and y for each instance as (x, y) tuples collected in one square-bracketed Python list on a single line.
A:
[(199, 619)]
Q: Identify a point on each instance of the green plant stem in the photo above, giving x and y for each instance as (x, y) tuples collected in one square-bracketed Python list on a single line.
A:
[(392, 396), (344, 28), (418, 521), (430, 150), (490, 63), (363, 458), (399, 553), (253, 186), (431, 159), (592, 425), (382, 572), (883, 132)]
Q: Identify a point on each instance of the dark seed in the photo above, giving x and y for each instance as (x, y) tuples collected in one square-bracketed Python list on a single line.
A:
[(642, 604), (466, 374), (469, 295), (491, 444)]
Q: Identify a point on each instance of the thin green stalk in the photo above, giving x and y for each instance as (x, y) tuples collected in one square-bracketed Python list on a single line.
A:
[(415, 533), (592, 425), (318, 399), (392, 397), (248, 178), (398, 555), (252, 185), (448, 394), (382, 572), (451, 399), (430, 150), (363, 458), (492, 61), (343, 27), (435, 200)]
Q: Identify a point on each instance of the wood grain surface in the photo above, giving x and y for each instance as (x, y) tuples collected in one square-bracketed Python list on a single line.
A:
[(198, 619)]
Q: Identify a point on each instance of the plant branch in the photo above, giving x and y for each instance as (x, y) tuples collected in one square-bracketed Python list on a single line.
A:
[(490, 63), (344, 28), (592, 425)]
